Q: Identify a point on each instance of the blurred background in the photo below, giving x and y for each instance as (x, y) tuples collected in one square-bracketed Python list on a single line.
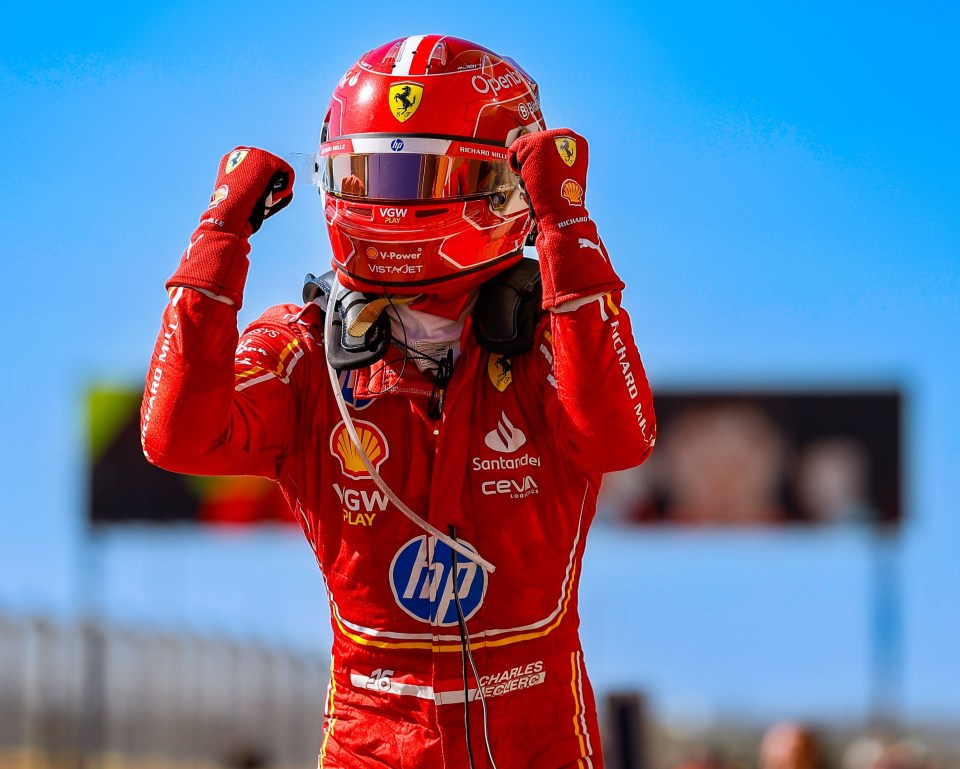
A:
[(777, 184)]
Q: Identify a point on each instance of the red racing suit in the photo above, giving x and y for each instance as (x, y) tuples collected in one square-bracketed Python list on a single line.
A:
[(514, 463)]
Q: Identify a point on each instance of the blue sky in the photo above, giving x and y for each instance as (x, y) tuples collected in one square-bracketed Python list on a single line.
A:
[(777, 185)]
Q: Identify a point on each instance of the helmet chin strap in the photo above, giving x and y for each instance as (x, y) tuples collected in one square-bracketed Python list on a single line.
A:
[(336, 292)]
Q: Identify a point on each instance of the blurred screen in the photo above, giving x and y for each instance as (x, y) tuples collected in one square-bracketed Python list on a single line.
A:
[(722, 459), (125, 487), (765, 459)]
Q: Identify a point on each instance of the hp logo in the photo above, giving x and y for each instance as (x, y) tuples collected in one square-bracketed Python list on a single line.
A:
[(396, 145), (423, 582)]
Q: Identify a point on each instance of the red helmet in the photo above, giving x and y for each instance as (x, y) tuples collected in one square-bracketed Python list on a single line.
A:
[(419, 197)]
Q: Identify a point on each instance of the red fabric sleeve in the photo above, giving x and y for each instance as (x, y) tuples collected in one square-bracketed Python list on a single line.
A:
[(211, 407), (603, 410)]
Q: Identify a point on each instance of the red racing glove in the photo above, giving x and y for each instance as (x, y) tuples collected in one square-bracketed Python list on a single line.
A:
[(252, 184), (573, 260)]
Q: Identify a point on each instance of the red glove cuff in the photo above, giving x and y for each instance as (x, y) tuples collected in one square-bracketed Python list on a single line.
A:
[(573, 260), (214, 261), (573, 266)]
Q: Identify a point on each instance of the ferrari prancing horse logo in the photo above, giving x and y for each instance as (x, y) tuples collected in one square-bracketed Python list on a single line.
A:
[(405, 99), (500, 371), (567, 148), (235, 159)]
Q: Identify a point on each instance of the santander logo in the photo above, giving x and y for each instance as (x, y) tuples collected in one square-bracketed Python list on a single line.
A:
[(505, 438)]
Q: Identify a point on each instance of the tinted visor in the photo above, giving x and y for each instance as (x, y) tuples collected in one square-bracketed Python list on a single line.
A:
[(411, 176)]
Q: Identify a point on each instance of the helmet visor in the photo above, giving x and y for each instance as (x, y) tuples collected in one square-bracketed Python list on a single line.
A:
[(413, 169)]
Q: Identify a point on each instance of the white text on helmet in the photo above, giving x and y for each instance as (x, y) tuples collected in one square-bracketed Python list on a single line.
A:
[(374, 254), (391, 214), (395, 269), (486, 84)]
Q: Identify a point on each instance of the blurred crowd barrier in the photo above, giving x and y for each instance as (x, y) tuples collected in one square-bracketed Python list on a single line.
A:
[(91, 695), (95, 696), (794, 745)]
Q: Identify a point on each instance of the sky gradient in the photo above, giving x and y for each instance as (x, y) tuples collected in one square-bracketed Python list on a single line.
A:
[(778, 186)]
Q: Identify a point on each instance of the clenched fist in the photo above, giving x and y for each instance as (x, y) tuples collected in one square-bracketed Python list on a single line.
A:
[(573, 260), (252, 184)]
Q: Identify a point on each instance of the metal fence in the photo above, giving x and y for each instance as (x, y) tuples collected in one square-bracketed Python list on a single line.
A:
[(92, 695)]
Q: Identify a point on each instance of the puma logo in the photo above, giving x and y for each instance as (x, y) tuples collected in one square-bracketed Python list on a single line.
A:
[(192, 244), (584, 243)]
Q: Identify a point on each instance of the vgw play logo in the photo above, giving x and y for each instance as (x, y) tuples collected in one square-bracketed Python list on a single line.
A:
[(423, 581)]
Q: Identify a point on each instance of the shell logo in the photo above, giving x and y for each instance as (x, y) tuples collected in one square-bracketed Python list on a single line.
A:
[(372, 440), (371, 252), (572, 192), (219, 195)]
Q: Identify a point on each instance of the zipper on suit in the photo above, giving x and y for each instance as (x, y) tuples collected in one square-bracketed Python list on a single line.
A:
[(440, 382)]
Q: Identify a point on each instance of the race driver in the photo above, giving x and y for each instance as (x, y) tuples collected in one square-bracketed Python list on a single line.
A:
[(438, 413)]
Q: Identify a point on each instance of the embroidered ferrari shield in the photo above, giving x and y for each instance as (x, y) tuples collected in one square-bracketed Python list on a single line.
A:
[(567, 148)]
